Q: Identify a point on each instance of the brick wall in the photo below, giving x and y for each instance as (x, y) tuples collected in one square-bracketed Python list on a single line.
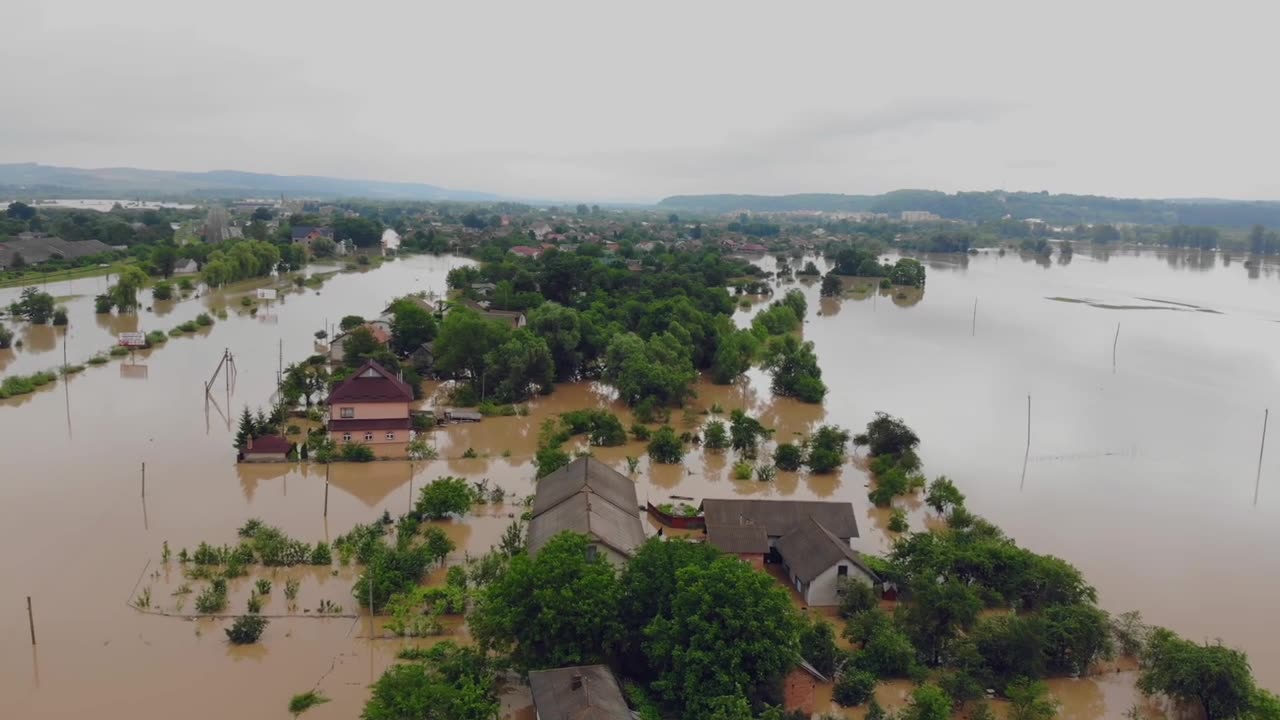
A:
[(799, 691)]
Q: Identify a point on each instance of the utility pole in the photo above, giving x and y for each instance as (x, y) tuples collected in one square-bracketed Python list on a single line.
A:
[(31, 621), (1258, 481)]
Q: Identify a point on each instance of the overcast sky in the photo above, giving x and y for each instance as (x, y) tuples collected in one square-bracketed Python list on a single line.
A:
[(634, 101)]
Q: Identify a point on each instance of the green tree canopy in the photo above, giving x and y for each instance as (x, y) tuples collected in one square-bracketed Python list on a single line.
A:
[(1214, 677), (732, 632), (557, 608)]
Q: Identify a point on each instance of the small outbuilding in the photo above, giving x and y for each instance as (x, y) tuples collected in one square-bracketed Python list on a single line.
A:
[(586, 692), (270, 448)]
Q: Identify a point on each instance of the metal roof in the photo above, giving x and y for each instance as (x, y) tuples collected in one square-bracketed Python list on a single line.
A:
[(588, 692), (588, 497), (779, 517), (811, 550)]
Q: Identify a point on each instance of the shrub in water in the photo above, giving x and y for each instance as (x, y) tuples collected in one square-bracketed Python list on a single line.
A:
[(246, 629)]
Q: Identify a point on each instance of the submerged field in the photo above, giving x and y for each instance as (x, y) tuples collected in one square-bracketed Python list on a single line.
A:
[(1142, 474)]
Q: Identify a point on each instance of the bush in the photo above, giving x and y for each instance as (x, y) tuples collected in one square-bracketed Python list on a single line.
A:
[(464, 395), (102, 304), (246, 629), (156, 337), (549, 459), (665, 446), (203, 320), (640, 432), (788, 456), (715, 436), (898, 520), (162, 291), (854, 688), (826, 449), (443, 497), (321, 555), (742, 470), (118, 351), (212, 599), (356, 452), (887, 435), (23, 384), (855, 597), (60, 316), (303, 702)]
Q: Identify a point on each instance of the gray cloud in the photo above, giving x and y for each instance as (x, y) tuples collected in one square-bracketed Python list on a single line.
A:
[(576, 99)]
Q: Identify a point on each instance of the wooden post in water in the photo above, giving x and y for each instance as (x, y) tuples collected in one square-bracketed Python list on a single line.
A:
[(144, 479), (1114, 344), (326, 490), (1028, 421), (31, 621), (1258, 480), (974, 330)]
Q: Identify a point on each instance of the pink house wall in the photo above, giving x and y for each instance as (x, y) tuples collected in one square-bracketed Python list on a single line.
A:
[(370, 411)]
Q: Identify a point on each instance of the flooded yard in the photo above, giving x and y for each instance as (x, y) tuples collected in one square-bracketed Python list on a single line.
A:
[(1142, 474)]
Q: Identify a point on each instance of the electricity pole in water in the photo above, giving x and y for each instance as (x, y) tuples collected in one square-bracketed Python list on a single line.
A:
[(1257, 482)]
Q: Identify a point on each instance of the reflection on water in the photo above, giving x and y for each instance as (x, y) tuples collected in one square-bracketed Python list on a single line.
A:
[(1145, 526)]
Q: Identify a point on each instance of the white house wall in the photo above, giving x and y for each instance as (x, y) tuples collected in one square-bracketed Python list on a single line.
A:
[(822, 591)]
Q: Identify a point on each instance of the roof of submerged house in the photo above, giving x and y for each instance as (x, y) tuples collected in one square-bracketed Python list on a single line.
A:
[(739, 539), (588, 497), (371, 383), (779, 517), (268, 445), (811, 550), (587, 692)]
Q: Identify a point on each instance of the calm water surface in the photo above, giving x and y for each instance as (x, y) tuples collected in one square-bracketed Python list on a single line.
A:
[(1142, 476)]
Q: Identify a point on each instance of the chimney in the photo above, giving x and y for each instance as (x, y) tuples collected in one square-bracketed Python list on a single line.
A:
[(576, 684)]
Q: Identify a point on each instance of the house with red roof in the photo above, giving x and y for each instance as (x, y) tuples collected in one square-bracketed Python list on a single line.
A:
[(526, 251), (269, 448), (372, 408)]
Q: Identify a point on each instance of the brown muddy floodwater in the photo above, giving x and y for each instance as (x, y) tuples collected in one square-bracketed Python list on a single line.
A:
[(1142, 476)]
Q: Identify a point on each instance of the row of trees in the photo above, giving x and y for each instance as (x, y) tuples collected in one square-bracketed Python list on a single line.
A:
[(647, 334), (701, 630)]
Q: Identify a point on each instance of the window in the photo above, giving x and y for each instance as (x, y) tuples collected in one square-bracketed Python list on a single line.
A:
[(347, 412), (842, 571), (391, 436), (346, 437), (592, 551), (368, 436)]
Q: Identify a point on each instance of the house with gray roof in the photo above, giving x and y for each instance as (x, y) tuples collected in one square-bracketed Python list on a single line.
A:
[(588, 497), (815, 561), (812, 539), (587, 692), (780, 517)]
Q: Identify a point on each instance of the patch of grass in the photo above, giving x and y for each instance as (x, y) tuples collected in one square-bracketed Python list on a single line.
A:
[(303, 702), (23, 384), (118, 351)]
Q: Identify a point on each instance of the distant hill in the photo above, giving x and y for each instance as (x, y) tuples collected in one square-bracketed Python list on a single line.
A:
[(35, 180), (995, 204)]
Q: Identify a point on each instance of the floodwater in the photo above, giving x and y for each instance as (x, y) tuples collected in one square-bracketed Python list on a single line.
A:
[(1142, 476), (107, 205)]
